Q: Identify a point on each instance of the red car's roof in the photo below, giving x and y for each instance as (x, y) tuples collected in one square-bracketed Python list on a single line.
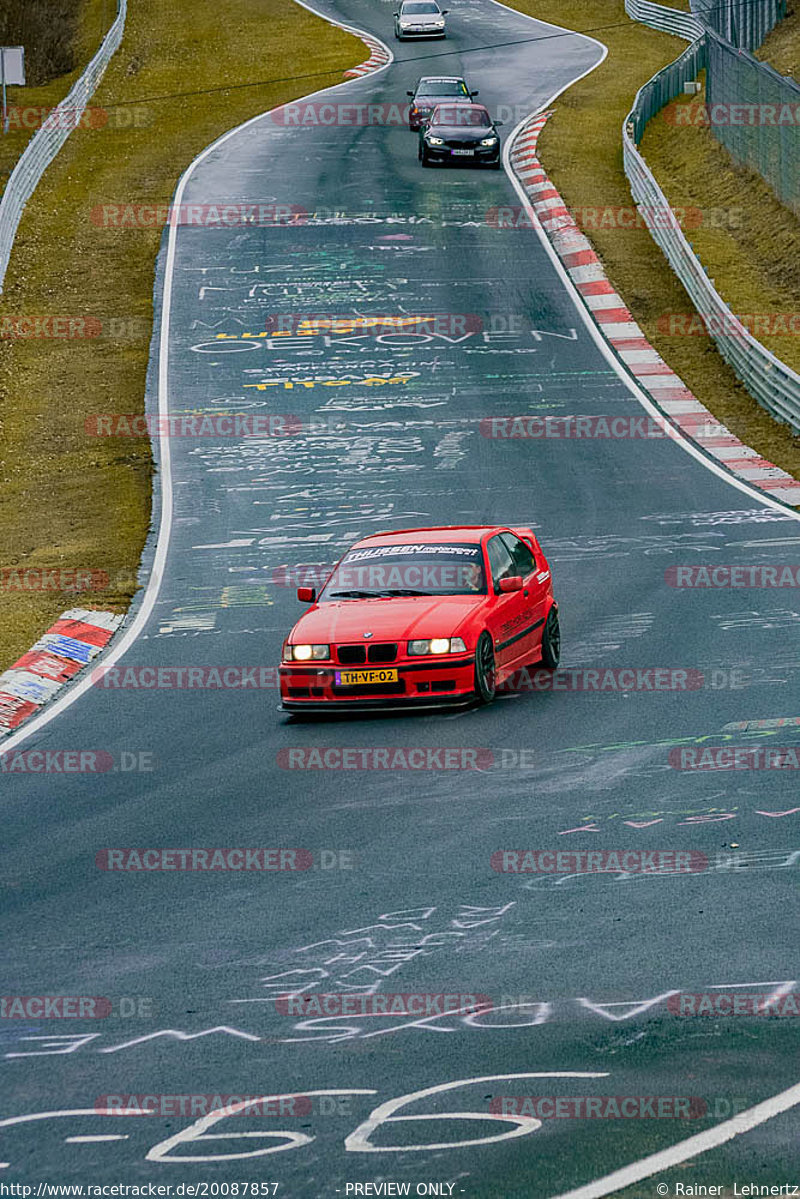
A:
[(467, 533)]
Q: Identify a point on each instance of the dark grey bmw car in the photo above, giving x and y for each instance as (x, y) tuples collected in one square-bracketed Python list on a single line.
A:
[(460, 132)]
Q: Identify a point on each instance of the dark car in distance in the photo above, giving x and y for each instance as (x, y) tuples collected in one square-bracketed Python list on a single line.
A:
[(460, 132), (432, 90)]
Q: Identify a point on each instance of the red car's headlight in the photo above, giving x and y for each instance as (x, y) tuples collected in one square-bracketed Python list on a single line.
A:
[(306, 653), (436, 645)]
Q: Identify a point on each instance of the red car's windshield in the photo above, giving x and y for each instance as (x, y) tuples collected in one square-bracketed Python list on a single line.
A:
[(423, 569), (461, 114)]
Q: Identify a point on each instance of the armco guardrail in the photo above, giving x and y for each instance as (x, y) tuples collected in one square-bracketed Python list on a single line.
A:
[(668, 20), (771, 382), (665, 86), (47, 141)]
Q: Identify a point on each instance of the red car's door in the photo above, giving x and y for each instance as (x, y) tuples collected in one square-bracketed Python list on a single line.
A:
[(510, 614), (536, 579)]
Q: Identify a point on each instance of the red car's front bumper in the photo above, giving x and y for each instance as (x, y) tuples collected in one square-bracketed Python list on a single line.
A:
[(419, 684)]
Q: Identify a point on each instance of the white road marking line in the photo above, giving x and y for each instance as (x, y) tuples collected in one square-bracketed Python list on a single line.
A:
[(92, 1140), (700, 1143)]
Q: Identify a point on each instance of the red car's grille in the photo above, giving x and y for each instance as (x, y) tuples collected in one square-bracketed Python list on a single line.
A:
[(381, 653), (354, 655)]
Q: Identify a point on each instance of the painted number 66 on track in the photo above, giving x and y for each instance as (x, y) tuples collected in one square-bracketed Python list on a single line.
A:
[(359, 1141)]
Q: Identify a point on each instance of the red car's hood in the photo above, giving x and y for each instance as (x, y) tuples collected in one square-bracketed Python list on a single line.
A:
[(397, 619)]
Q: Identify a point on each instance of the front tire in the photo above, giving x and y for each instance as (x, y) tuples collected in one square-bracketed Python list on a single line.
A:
[(424, 159), (485, 673), (551, 641)]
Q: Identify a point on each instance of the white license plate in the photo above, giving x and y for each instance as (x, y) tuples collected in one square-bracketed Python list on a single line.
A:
[(464, 152)]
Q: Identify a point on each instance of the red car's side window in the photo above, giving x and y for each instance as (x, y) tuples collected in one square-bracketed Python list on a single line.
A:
[(524, 561), (501, 561)]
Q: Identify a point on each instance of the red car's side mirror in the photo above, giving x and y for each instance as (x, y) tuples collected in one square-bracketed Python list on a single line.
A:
[(306, 595), (514, 583)]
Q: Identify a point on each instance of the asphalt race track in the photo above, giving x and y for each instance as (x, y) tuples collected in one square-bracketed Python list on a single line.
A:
[(402, 896)]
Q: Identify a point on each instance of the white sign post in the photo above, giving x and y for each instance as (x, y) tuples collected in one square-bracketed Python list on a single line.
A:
[(12, 70)]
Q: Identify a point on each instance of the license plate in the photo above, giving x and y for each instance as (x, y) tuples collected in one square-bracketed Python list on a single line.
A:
[(463, 151), (364, 678)]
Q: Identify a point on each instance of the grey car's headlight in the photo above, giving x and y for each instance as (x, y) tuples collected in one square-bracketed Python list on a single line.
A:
[(306, 653), (436, 645), (434, 141), (488, 141)]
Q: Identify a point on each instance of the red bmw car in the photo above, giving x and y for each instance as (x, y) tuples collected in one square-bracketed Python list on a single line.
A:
[(422, 618)]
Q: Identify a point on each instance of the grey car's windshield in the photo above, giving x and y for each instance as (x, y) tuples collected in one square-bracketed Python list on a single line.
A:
[(442, 88), (418, 7), (418, 569)]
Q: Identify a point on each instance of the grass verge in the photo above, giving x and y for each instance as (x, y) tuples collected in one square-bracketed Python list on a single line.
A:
[(781, 48), (67, 500), (58, 45), (581, 148)]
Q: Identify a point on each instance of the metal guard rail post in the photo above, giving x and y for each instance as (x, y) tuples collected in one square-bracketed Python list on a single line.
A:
[(48, 140)]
